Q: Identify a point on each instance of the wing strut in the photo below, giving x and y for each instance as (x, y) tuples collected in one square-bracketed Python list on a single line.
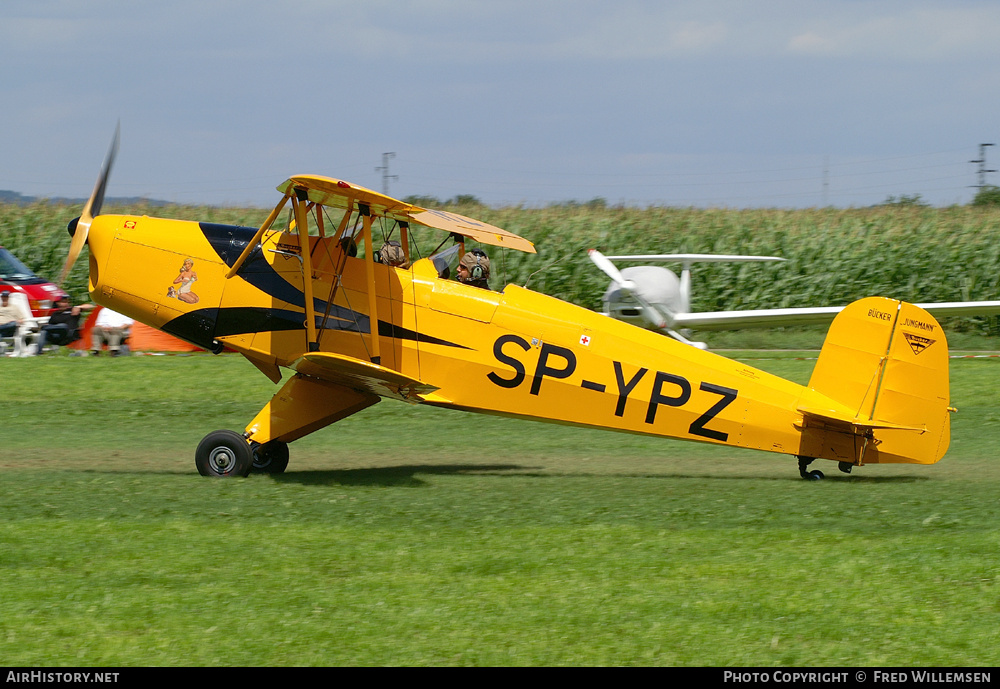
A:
[(370, 273), (305, 252), (257, 237)]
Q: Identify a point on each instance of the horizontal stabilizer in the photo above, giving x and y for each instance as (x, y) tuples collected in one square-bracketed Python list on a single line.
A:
[(361, 375), (856, 425)]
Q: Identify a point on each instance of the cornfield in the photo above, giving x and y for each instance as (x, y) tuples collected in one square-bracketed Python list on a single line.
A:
[(834, 256)]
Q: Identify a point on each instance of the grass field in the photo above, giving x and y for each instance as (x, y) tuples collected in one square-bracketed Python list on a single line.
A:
[(414, 536)]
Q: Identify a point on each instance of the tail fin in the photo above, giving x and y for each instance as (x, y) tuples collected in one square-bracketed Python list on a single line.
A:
[(885, 364)]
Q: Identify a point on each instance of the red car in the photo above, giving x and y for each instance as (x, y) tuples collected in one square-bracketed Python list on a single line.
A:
[(17, 277)]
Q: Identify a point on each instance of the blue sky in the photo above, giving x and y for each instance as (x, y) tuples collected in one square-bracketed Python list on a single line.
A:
[(790, 103)]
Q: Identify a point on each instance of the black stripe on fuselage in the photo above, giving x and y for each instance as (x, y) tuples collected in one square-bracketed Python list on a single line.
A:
[(196, 326)]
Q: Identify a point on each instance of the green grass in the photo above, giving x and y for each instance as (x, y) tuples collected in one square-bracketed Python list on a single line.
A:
[(416, 536)]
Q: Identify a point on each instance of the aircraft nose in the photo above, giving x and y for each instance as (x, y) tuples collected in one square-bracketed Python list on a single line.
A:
[(100, 238), (71, 226)]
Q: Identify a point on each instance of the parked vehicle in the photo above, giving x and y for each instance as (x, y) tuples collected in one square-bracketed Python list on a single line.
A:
[(17, 277)]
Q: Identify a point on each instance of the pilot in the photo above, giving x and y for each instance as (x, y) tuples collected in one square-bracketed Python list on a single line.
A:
[(391, 254), (350, 246), (474, 269)]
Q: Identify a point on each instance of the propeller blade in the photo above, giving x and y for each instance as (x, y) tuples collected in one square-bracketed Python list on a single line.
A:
[(649, 312), (602, 262), (680, 338), (81, 228)]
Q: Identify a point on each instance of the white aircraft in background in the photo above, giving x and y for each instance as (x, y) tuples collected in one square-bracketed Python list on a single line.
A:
[(656, 298)]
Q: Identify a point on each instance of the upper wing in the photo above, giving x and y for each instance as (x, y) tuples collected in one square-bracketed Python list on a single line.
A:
[(480, 231), (337, 193), (773, 318)]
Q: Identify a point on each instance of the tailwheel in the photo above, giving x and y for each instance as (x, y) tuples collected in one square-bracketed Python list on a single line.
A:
[(223, 454), (270, 457), (814, 475)]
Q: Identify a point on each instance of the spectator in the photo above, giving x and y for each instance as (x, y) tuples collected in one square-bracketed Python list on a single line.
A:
[(112, 328), (63, 327), (11, 317)]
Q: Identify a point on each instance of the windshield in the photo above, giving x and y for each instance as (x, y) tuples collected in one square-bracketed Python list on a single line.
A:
[(11, 268), (443, 260)]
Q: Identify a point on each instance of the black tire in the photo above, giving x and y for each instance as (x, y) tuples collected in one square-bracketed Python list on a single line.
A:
[(223, 454), (804, 472), (269, 458)]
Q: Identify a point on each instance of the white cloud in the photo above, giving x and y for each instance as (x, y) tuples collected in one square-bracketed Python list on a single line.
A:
[(917, 33), (812, 43)]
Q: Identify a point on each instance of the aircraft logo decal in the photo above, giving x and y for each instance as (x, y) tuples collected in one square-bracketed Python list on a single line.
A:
[(918, 343)]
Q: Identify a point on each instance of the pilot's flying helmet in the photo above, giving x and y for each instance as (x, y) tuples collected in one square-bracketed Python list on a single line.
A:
[(478, 264)]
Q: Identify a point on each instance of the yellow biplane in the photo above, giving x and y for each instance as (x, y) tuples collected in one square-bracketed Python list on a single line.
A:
[(310, 294)]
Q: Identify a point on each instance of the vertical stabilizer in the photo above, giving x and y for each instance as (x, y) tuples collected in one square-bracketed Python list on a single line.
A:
[(886, 361)]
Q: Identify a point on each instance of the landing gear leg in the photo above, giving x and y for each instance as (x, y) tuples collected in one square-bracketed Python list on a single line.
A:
[(814, 475), (301, 406)]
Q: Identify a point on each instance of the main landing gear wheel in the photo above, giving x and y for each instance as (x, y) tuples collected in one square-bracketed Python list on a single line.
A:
[(814, 475), (223, 454), (269, 458)]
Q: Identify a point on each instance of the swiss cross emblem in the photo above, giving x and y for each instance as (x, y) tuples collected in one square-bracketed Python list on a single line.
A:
[(585, 340)]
